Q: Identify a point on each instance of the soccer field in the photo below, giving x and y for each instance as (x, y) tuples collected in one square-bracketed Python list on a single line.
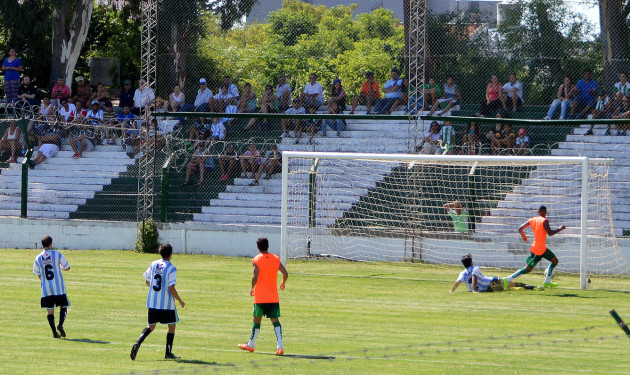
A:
[(337, 318)]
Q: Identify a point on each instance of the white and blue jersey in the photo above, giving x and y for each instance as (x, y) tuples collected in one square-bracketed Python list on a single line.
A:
[(483, 282), (161, 275), (48, 266)]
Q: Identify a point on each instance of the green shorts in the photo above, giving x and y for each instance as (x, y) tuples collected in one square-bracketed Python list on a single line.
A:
[(533, 259), (270, 310)]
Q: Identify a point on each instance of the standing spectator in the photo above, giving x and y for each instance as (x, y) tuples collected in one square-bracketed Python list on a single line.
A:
[(432, 139), (295, 110), (266, 106), (496, 136), (313, 94), (175, 99), (448, 138), (392, 90), (60, 91), (493, 98), (369, 95), (271, 163), (522, 142), (337, 124), (27, 93), (248, 101), (217, 130), (250, 161), (142, 98), (459, 215), (451, 97), (126, 95), (472, 137), (232, 89), (338, 95), (227, 162), (283, 95), (101, 95), (312, 125), (586, 96), (13, 141), (222, 99), (204, 95), (565, 94), (198, 161), (432, 93), (623, 86), (84, 92), (12, 66), (512, 94)]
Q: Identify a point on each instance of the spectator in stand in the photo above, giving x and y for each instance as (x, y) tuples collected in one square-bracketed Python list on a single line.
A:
[(12, 66), (81, 139), (508, 143), (369, 95), (128, 126), (565, 95), (586, 97), (451, 97), (126, 95), (27, 94), (600, 111), (60, 91), (67, 111), (522, 143), (142, 98), (622, 112), (250, 161), (335, 124), (271, 163), (95, 117), (229, 109), (295, 110), (512, 94), (232, 89), (338, 95), (459, 215), (12, 140), (432, 140), (217, 130), (227, 162), (392, 90), (623, 86), (155, 139), (200, 130), (448, 138), (203, 98), (493, 98), (198, 161), (101, 95), (266, 106), (222, 99), (248, 101), (496, 136), (109, 123), (312, 125), (313, 94), (84, 92), (44, 116), (82, 111), (472, 137), (432, 93), (175, 99), (404, 96), (283, 95), (46, 150)]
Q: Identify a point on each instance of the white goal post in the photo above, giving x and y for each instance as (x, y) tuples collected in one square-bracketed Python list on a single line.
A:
[(436, 208)]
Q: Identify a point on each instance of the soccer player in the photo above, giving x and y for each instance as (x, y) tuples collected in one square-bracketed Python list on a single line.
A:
[(265, 292), (161, 277), (50, 263), (477, 282), (538, 250)]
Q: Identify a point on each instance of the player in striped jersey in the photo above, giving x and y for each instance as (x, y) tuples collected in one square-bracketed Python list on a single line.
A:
[(47, 266), (477, 282), (161, 277)]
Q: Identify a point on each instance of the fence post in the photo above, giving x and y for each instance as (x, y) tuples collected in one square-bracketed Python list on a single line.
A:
[(23, 124), (164, 192)]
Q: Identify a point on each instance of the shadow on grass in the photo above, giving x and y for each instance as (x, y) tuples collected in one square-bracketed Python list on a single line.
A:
[(300, 356), (572, 295), (204, 363), (88, 341)]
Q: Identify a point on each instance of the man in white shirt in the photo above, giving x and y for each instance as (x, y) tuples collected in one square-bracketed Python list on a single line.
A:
[(393, 92), (232, 89), (221, 100), (313, 95), (67, 111), (297, 109), (477, 282), (283, 93), (143, 96), (623, 86), (204, 94), (513, 93)]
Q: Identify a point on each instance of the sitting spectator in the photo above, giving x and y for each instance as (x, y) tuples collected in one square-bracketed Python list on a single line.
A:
[(46, 150), (295, 110), (126, 95), (283, 95), (432, 140), (222, 99), (82, 110), (451, 97), (586, 97), (522, 143), (565, 94), (84, 92), (600, 111), (448, 138), (175, 99), (95, 117), (493, 98), (232, 89), (27, 93), (230, 108), (335, 124), (392, 90), (12, 140), (271, 163), (512, 94), (338, 95), (60, 91), (155, 140), (472, 137), (266, 106), (12, 66), (369, 95), (313, 94), (109, 123), (459, 215), (312, 125), (200, 130), (128, 126), (198, 161), (405, 90), (432, 93), (67, 111), (508, 143), (250, 161), (217, 130), (227, 162), (622, 112), (248, 101), (623, 86), (44, 115), (496, 136), (142, 98), (204, 95), (81, 139)]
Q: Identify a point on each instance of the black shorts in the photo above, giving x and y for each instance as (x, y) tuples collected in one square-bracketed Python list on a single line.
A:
[(162, 316), (51, 302)]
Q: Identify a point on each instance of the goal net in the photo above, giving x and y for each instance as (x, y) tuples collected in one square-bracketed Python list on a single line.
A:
[(434, 209)]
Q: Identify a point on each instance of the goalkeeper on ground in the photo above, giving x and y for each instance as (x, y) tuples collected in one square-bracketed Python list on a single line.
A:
[(477, 282)]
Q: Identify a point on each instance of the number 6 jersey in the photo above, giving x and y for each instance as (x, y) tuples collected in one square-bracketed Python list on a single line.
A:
[(48, 265), (161, 275)]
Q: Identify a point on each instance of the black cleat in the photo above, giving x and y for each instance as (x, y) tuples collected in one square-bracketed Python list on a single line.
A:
[(61, 331), (56, 335), (171, 356), (134, 351)]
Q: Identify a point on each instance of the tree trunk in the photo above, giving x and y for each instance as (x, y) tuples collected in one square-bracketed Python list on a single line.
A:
[(614, 35), (68, 37), (178, 52)]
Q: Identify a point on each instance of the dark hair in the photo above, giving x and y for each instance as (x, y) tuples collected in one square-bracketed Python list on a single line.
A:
[(395, 70), (61, 77), (63, 100), (450, 76), (512, 74), (166, 250), (369, 74), (268, 87), (262, 243), (542, 208), (224, 87), (588, 71), (46, 241), (247, 84), (313, 74), (467, 260), (226, 76)]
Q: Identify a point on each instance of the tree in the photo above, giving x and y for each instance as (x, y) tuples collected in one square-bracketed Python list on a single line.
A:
[(613, 17)]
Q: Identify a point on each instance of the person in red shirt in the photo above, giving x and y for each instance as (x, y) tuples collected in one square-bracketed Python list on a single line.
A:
[(265, 292), (60, 91), (370, 93)]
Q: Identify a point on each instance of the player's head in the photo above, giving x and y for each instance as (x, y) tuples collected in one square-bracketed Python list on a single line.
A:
[(467, 260), (263, 244), (542, 211), (46, 242), (166, 250)]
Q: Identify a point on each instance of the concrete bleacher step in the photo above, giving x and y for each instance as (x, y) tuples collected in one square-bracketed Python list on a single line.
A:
[(37, 214), (601, 139)]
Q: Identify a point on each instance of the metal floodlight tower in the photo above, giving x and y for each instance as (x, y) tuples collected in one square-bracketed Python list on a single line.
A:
[(416, 59)]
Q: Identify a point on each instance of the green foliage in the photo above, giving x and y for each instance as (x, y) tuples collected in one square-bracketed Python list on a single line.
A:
[(148, 237)]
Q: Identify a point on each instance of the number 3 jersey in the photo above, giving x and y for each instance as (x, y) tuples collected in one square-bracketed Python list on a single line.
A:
[(161, 275), (48, 265)]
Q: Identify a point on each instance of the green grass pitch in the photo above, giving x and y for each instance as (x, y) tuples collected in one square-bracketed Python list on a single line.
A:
[(361, 318)]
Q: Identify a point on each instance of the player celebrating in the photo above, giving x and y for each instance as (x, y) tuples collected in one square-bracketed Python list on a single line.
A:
[(161, 278), (51, 262), (477, 282), (265, 292), (540, 227)]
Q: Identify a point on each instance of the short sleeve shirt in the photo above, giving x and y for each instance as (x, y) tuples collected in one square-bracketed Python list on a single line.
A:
[(516, 85), (314, 89), (365, 88), (584, 88), (12, 75), (266, 290), (391, 83)]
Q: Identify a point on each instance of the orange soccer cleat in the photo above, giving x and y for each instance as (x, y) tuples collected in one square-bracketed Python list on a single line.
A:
[(245, 347)]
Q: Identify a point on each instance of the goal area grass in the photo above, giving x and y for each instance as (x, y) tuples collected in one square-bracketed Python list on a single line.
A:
[(337, 317)]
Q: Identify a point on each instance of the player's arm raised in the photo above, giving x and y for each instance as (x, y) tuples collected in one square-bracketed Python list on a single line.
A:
[(521, 229), (285, 276), (550, 231), (254, 280)]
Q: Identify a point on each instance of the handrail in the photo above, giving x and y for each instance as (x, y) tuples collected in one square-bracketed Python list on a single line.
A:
[(164, 192)]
